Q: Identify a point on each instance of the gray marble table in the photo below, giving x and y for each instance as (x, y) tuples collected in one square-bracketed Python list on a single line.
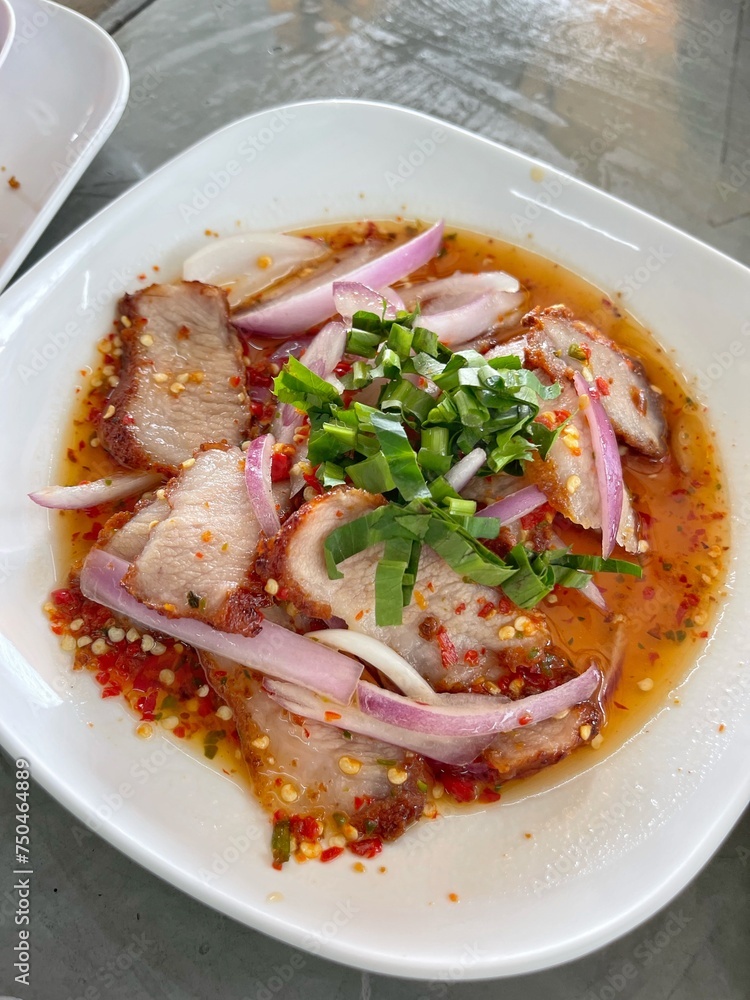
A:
[(646, 99)]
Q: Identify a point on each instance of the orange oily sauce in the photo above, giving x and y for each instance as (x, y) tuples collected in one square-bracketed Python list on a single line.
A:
[(681, 501)]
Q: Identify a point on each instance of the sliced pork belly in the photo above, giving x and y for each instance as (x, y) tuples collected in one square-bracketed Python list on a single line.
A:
[(328, 772), (632, 405), (446, 620), (525, 751), (191, 550), (568, 477), (125, 535), (181, 378)]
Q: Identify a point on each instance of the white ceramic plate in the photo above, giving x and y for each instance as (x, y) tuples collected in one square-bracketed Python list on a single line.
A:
[(609, 846), (65, 85)]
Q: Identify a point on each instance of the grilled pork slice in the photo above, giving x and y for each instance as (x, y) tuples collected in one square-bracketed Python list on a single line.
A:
[(523, 752), (326, 771), (191, 550), (527, 750), (181, 378), (125, 535), (449, 630), (632, 405), (568, 477)]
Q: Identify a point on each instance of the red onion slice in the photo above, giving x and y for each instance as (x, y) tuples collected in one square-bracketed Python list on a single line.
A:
[(465, 470), (515, 506), (448, 750), (608, 462), (463, 306), (291, 348), (274, 650), (291, 314), (352, 296), (259, 485), (245, 264), (105, 490), (485, 716), (592, 593)]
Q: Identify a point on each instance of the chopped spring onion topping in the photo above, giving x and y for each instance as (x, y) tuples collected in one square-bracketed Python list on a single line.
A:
[(435, 409)]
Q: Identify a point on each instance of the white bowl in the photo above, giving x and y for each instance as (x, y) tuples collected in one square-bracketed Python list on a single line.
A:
[(64, 86), (612, 844)]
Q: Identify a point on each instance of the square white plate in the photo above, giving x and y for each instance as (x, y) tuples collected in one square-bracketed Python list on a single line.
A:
[(65, 85), (612, 844)]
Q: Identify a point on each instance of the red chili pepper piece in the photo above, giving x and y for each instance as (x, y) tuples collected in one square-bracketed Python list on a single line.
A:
[(330, 853), (462, 789), (280, 467), (366, 848), (448, 653)]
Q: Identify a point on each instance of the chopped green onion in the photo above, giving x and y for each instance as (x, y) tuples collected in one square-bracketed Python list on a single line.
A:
[(457, 505), (362, 343), (400, 455), (373, 474)]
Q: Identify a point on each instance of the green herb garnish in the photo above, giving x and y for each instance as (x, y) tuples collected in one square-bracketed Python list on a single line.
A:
[(434, 406)]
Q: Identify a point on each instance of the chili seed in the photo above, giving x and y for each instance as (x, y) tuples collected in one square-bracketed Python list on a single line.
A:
[(397, 775), (289, 793), (349, 765), (310, 850)]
